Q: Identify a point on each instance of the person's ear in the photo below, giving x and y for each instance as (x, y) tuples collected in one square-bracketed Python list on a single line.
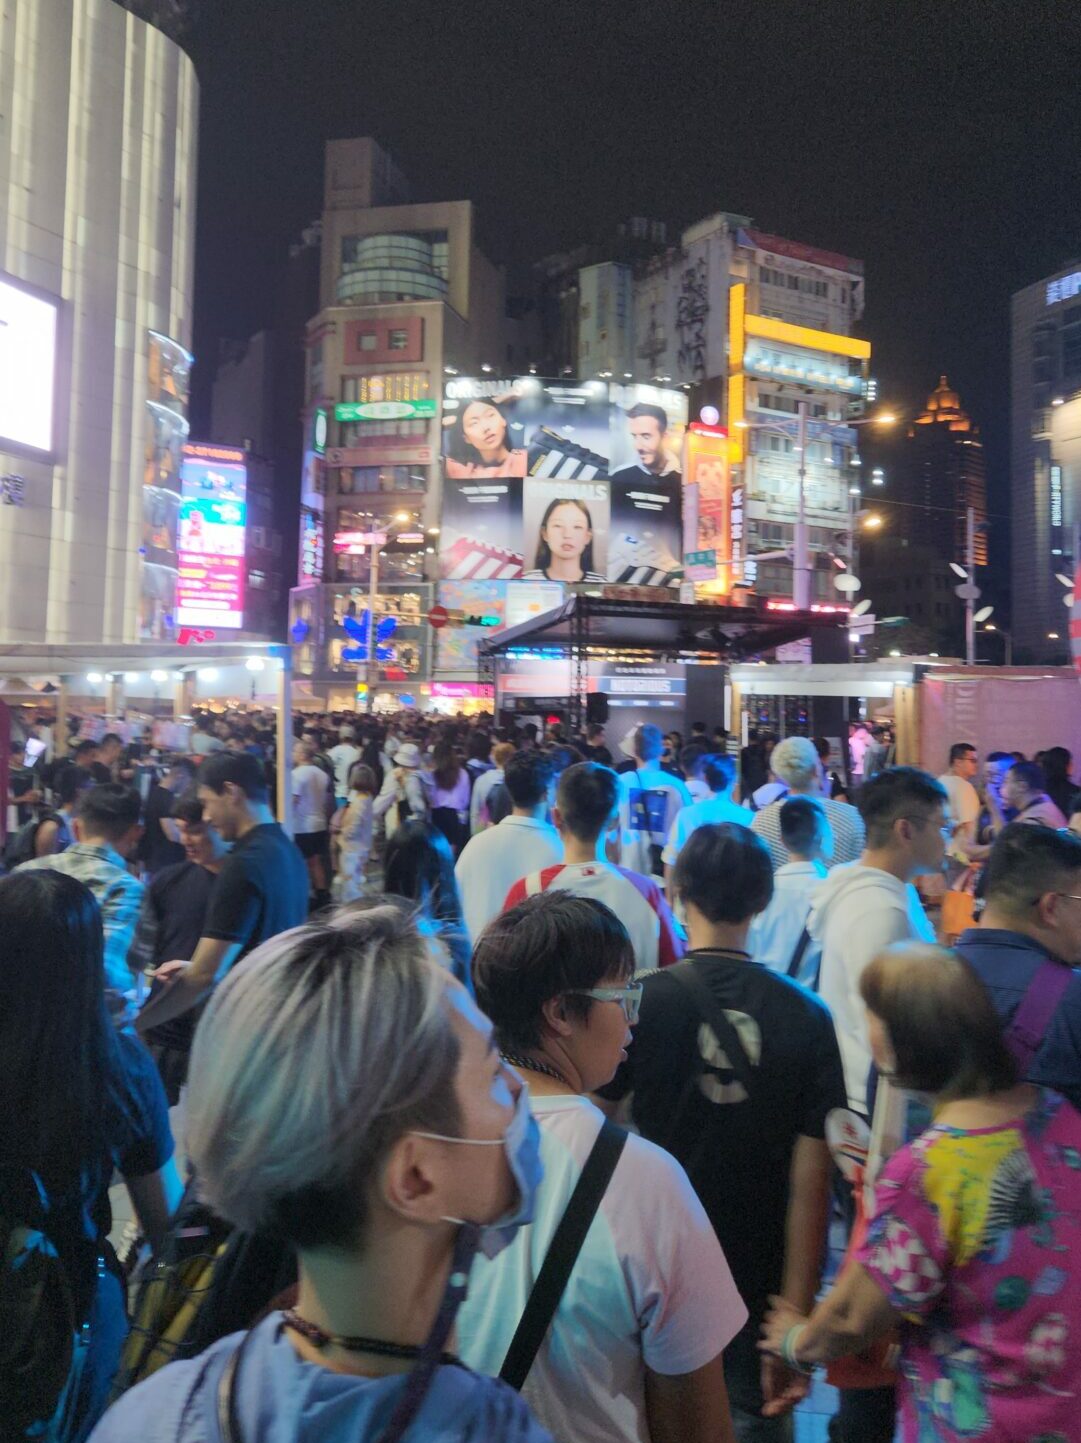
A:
[(409, 1182), (1047, 909), (903, 831), (554, 1013), (557, 819), (77, 828)]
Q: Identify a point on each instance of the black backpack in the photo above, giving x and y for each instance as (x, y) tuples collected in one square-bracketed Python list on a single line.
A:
[(20, 845), (41, 1305)]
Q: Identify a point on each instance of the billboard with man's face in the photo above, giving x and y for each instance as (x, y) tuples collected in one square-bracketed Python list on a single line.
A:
[(562, 481)]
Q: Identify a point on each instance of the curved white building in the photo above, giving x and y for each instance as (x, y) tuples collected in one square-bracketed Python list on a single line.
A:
[(98, 116)]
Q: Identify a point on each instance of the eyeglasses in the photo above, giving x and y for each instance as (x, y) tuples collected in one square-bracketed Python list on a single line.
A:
[(630, 997)]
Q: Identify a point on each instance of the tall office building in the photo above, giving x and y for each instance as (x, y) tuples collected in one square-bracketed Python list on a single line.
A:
[(1045, 458), (406, 297), (97, 231), (755, 325), (936, 472)]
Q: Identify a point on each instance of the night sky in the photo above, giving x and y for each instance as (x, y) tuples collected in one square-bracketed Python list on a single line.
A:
[(940, 143)]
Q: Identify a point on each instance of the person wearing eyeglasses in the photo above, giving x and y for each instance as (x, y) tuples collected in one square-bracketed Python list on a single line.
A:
[(634, 1349), (1031, 914)]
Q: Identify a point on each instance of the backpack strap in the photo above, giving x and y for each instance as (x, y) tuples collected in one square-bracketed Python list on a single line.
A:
[(687, 974), (562, 1254), (1025, 1034), (798, 955)]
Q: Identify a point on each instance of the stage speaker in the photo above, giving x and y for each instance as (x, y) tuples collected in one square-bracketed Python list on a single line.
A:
[(596, 707)]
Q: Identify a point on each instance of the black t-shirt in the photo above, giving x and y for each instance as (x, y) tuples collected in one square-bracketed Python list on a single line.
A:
[(155, 848), (737, 1150), (178, 898), (262, 889), (599, 754)]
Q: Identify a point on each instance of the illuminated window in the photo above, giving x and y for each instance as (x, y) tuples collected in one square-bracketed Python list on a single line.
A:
[(369, 341), (398, 340)]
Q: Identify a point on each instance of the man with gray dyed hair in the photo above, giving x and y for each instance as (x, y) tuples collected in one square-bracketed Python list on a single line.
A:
[(795, 763)]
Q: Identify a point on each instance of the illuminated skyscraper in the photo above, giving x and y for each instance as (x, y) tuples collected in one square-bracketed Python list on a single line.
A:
[(98, 116)]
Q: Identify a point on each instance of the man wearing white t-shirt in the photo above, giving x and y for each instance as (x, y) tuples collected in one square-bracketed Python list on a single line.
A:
[(635, 1349), (495, 858), (311, 808), (778, 937), (866, 906), (649, 801), (587, 806), (344, 758), (719, 774)]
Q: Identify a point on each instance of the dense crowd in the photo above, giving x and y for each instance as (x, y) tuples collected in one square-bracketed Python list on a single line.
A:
[(538, 1086)]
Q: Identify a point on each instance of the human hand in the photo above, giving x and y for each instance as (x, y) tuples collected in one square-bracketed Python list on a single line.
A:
[(169, 971), (782, 1316), (782, 1389)]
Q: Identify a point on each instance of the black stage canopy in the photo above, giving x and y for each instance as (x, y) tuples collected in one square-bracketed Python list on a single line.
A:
[(589, 626)]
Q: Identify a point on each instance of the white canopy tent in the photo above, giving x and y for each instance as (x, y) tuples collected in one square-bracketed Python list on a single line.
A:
[(150, 669)]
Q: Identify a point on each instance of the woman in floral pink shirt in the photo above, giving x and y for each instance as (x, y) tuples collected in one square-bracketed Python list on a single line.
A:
[(974, 1247)]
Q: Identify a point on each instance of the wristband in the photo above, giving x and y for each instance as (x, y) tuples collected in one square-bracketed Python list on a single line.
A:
[(788, 1350)]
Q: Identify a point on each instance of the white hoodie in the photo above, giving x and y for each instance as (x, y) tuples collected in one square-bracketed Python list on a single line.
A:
[(857, 913)]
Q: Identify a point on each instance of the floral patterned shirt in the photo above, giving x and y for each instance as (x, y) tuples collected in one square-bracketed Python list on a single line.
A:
[(976, 1238)]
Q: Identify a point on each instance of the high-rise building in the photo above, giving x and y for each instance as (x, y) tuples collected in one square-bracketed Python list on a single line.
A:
[(406, 297), (938, 474), (1045, 457), (759, 327), (97, 233)]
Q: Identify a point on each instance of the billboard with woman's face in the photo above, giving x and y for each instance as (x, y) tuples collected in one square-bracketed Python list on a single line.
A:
[(563, 481)]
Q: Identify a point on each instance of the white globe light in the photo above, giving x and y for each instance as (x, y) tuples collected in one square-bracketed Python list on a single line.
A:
[(709, 416), (847, 583)]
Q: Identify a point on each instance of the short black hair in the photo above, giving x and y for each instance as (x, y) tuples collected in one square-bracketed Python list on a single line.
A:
[(698, 727), (110, 810), (84, 748), (960, 750), (692, 755), (547, 945), (895, 793), (240, 768), (189, 810), (657, 413), (800, 818), (111, 737), (527, 776), (1026, 861), (588, 794), (69, 781), (718, 771), (1030, 775), (725, 870), (822, 747)]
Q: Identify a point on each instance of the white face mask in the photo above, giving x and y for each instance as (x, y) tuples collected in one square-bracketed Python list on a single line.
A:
[(521, 1141)]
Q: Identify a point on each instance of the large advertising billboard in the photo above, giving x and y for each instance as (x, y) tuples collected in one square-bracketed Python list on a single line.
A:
[(213, 514), (562, 481), (28, 334)]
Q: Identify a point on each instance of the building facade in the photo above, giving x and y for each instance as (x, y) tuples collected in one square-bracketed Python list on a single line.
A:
[(754, 325), (97, 228), (1045, 458), (938, 475), (406, 297)]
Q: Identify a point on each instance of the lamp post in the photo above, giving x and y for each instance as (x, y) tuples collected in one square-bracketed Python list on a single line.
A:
[(801, 557), (1007, 642)]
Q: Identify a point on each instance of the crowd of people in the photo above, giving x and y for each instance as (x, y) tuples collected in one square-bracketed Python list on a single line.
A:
[(538, 1072)]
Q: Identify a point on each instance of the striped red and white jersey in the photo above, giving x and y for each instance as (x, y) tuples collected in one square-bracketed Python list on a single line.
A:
[(657, 938)]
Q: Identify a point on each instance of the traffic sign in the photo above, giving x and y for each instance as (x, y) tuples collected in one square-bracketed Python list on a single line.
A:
[(438, 617)]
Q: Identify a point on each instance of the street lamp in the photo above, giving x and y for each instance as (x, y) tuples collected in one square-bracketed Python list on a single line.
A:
[(801, 558), (1007, 642)]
